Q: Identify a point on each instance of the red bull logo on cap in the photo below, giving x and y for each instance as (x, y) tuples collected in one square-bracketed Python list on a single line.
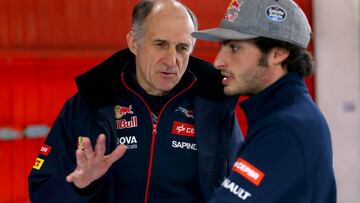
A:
[(121, 111), (234, 4), (232, 10)]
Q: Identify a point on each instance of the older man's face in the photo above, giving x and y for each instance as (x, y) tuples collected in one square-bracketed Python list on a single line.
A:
[(162, 54)]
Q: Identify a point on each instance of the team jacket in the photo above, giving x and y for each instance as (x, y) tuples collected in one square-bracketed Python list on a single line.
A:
[(179, 155), (286, 156)]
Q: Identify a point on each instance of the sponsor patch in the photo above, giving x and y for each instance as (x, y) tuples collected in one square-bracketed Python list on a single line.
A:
[(188, 113), (234, 4), (38, 163), (121, 111), (129, 141), (123, 123), (235, 189), (45, 150), (248, 171), (184, 129), (184, 145), (275, 13)]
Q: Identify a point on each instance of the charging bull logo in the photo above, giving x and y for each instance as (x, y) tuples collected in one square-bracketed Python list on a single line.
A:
[(232, 10), (234, 4), (121, 111)]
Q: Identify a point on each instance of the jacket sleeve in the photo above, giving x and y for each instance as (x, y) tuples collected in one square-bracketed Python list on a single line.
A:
[(47, 181), (269, 168), (235, 141)]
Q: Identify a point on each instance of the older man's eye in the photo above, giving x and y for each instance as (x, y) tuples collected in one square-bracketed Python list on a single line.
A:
[(183, 48), (160, 45)]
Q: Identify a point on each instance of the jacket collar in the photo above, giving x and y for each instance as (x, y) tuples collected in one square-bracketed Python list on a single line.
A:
[(100, 84), (276, 96)]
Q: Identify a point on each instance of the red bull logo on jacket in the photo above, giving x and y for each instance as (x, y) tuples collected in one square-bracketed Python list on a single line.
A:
[(122, 123), (121, 111)]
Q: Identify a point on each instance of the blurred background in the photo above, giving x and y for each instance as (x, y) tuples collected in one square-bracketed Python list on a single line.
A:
[(45, 44)]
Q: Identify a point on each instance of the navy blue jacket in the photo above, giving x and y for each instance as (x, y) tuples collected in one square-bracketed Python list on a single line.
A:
[(180, 157), (286, 156)]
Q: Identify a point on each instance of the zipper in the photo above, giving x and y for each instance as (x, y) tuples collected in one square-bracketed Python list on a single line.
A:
[(154, 128)]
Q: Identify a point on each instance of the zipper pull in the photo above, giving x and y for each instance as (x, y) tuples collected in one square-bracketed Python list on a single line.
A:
[(154, 131)]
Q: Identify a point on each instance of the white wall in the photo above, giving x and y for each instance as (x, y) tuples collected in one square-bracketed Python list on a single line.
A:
[(336, 26)]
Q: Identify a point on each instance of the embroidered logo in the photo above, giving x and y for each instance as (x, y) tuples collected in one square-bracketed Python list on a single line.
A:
[(248, 171), (235, 189), (123, 123), (38, 163), (188, 113), (129, 141), (234, 4), (232, 10), (183, 129), (121, 111), (275, 13), (45, 150)]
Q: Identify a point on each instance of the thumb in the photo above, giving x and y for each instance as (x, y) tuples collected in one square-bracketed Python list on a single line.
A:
[(116, 154)]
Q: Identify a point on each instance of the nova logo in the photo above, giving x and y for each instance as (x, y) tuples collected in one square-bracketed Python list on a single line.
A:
[(129, 141), (248, 171), (123, 123), (184, 129)]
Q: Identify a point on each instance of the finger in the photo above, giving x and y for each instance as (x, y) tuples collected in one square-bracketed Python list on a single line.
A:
[(116, 154), (100, 145), (80, 158), (89, 152), (72, 177)]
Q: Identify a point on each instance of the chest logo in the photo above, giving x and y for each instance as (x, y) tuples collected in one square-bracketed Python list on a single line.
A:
[(122, 123), (121, 111), (129, 141), (183, 129), (188, 113)]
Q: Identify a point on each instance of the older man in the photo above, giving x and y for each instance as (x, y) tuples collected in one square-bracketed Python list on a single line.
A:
[(165, 106)]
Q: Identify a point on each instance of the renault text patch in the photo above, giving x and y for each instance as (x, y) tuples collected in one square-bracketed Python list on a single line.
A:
[(184, 129), (248, 171), (45, 150), (38, 163), (235, 189)]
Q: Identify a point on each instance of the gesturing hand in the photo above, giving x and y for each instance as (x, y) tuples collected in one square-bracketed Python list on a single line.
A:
[(91, 164)]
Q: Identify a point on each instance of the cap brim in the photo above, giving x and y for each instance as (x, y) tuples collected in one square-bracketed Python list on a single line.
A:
[(221, 34)]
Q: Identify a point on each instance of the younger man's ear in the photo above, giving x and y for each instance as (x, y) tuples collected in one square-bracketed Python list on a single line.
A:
[(131, 42), (278, 55)]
